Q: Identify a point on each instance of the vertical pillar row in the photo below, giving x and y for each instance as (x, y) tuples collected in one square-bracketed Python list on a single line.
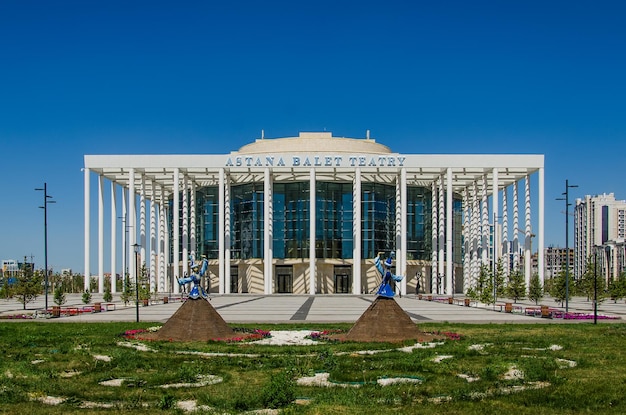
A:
[(87, 235), (450, 284), (466, 241), (528, 233), (176, 231), (268, 231), (434, 236), (515, 228), (185, 226), (221, 231), (132, 222), (403, 229), (356, 232), (100, 234), (312, 212), (113, 238)]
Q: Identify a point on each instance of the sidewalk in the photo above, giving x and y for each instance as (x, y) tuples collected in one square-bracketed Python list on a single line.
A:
[(251, 308)]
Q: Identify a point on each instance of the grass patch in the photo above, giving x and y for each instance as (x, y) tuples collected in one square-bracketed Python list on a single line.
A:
[(36, 356)]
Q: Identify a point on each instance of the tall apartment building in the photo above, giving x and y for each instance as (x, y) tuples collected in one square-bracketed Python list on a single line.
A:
[(599, 229)]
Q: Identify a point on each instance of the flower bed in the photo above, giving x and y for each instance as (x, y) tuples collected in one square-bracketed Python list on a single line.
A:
[(17, 317), (247, 335)]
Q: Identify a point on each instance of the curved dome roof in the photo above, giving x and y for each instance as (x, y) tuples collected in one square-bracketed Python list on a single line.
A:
[(314, 143)]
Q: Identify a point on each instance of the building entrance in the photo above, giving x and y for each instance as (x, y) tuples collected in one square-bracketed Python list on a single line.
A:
[(343, 280), (284, 280), (234, 279)]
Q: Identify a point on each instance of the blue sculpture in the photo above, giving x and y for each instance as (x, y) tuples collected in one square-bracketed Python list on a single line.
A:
[(385, 289), (197, 272)]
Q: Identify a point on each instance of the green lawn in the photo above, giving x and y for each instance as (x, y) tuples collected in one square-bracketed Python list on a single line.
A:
[(553, 369)]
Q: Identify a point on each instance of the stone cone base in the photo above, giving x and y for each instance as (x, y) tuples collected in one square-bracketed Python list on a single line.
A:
[(385, 321), (195, 320)]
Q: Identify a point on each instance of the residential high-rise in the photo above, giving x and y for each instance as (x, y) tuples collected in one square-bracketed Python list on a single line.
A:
[(599, 228)]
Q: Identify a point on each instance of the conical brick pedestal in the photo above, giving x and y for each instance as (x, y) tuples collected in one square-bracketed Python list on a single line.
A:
[(385, 321), (195, 320)]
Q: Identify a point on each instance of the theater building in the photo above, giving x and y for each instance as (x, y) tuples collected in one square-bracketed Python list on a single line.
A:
[(252, 214)]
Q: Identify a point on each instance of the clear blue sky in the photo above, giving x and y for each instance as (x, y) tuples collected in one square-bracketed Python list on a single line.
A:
[(125, 77)]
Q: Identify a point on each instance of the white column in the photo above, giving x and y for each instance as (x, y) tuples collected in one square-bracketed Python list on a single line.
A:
[(505, 233), (192, 217), (312, 231), (484, 212), (441, 240), (496, 215), (185, 226), (87, 227), (403, 229), (475, 229), (527, 237), (167, 249), (153, 266), (356, 232), (124, 233), (450, 288), (176, 231), (142, 220), (541, 229), (466, 241), (160, 247), (227, 230), (515, 228), (398, 230), (221, 231), (132, 222), (434, 237), (113, 238), (100, 234), (267, 231)]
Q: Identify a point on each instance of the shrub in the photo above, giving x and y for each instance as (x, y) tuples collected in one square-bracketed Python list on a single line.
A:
[(280, 392), (86, 297)]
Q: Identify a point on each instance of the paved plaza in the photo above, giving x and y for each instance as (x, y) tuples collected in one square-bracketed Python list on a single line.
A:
[(251, 308)]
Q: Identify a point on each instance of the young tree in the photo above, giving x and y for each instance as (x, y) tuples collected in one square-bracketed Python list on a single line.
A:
[(485, 286), (557, 288), (144, 283), (516, 287), (535, 290), (59, 295), (28, 284), (585, 284), (107, 297), (86, 297), (127, 291), (499, 280), (617, 288)]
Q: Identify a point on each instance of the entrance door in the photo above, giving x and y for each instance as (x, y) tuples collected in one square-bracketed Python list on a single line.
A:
[(343, 280), (284, 280), (234, 279)]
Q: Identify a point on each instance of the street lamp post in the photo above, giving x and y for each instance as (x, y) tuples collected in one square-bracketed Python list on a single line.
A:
[(567, 205), (136, 246), (595, 285), (46, 196)]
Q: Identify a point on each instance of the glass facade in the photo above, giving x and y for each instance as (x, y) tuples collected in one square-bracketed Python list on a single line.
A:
[(334, 221), (291, 220), (419, 223), (207, 207), (247, 219), (378, 219)]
